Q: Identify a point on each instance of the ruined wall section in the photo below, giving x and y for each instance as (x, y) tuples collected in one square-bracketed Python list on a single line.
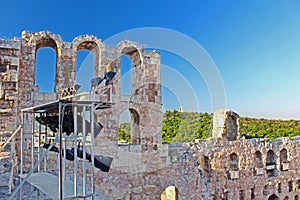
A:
[(9, 69), (226, 125), (144, 103), (145, 175), (241, 169), (142, 169)]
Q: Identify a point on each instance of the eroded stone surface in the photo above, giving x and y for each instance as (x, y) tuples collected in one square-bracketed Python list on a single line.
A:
[(225, 166)]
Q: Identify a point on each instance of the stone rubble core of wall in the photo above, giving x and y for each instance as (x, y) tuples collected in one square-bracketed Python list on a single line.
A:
[(225, 166)]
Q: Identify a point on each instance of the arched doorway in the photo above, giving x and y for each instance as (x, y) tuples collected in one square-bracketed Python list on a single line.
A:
[(129, 127), (170, 193)]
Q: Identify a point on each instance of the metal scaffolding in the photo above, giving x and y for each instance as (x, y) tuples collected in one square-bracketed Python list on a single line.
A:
[(69, 123)]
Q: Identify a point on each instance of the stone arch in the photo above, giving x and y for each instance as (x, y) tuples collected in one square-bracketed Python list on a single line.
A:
[(286, 198), (234, 162), (46, 39), (258, 162), (93, 44), (42, 39), (129, 47), (170, 193), (296, 197), (134, 52), (135, 137), (273, 197)]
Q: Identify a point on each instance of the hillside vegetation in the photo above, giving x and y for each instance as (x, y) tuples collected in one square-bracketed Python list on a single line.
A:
[(188, 126)]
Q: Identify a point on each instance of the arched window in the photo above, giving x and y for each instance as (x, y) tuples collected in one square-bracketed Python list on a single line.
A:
[(234, 162), (296, 197), (271, 158), (170, 193), (124, 128), (284, 163), (126, 75), (130, 63), (283, 156), (45, 70), (129, 127), (258, 163), (85, 61)]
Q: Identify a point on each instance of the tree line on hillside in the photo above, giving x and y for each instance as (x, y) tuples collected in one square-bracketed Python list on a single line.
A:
[(188, 126)]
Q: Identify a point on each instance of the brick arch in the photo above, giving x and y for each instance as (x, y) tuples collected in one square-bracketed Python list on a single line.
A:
[(128, 47), (46, 39), (43, 39), (93, 44)]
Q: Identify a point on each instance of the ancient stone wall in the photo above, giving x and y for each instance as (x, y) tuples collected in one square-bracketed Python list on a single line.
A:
[(224, 166), (9, 74), (249, 168)]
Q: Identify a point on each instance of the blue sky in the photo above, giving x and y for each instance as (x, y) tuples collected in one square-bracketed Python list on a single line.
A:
[(254, 44)]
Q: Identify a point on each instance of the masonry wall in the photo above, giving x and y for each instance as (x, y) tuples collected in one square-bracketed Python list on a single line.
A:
[(249, 168), (225, 166)]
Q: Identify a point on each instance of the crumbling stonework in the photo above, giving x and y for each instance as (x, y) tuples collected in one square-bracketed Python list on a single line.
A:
[(226, 124), (250, 169), (224, 166)]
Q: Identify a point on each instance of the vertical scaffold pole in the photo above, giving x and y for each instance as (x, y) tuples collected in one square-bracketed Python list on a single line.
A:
[(22, 142), (75, 149), (39, 142), (84, 151), (60, 186), (92, 144), (32, 140), (46, 139)]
